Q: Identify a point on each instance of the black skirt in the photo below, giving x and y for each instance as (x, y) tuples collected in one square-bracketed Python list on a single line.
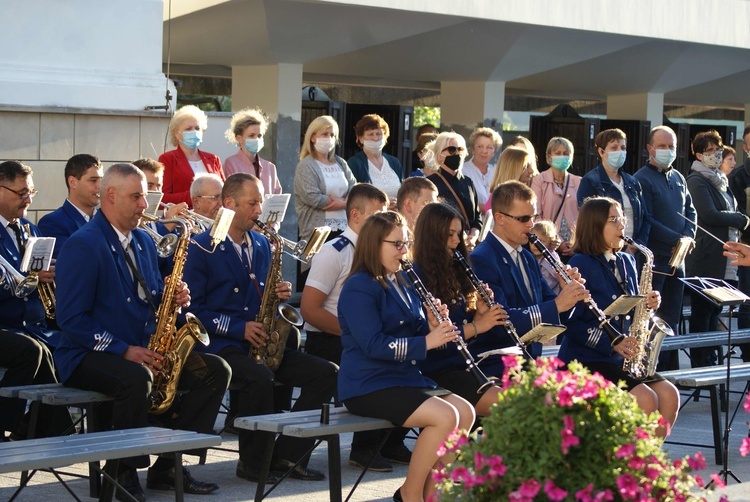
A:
[(395, 404), (615, 373), (459, 382)]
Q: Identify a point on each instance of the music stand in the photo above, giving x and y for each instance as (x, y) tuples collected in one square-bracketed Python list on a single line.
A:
[(721, 293)]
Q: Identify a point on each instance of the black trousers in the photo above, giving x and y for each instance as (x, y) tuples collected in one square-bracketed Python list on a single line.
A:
[(28, 361), (316, 378), (205, 377)]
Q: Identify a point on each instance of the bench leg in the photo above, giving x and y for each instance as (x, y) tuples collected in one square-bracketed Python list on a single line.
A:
[(265, 465), (110, 473), (334, 467), (179, 493), (715, 423), (33, 419), (95, 481)]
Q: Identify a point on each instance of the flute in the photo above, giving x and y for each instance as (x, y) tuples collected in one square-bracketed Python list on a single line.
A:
[(427, 298), (479, 287), (604, 324)]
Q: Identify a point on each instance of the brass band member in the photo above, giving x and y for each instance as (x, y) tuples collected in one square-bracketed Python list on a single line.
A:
[(413, 195), (438, 235), (108, 286), (23, 329), (83, 175), (610, 273), (228, 286), (384, 332)]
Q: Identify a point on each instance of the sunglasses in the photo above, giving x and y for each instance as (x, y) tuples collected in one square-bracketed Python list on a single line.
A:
[(453, 150), (523, 219)]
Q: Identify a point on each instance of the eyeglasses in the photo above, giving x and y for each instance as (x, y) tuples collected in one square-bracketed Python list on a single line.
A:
[(618, 219), (400, 244), (453, 150), (523, 219), (27, 193), (709, 151), (212, 197)]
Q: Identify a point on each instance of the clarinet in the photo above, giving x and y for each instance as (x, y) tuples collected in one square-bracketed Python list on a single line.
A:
[(604, 324), (479, 287), (427, 298)]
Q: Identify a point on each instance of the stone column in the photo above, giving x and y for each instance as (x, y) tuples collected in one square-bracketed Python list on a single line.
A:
[(646, 106), (277, 90), (465, 106)]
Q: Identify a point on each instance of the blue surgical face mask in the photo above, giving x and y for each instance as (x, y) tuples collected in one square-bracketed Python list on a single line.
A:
[(254, 145), (616, 159), (665, 157), (191, 139), (561, 162)]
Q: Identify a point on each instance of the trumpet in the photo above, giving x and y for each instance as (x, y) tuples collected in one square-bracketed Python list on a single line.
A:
[(200, 222), (166, 244), (21, 285)]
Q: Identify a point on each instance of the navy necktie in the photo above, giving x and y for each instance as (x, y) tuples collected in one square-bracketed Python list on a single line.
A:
[(19, 237), (245, 252)]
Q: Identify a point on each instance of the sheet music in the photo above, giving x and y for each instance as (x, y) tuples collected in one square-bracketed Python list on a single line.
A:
[(274, 208), (38, 255), (623, 305), (153, 199), (542, 332)]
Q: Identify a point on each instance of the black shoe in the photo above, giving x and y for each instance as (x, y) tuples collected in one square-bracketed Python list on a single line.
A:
[(397, 496), (128, 479), (164, 480), (244, 471), (299, 472), (397, 454), (360, 458)]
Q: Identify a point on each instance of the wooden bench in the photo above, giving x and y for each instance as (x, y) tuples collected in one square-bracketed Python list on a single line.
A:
[(710, 378), (307, 424), (52, 453)]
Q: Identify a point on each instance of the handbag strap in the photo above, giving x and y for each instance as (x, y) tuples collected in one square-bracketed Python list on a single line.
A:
[(567, 182), (461, 205)]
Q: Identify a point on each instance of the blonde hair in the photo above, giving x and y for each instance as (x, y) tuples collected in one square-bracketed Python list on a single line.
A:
[(434, 148), (557, 141), (525, 143), (511, 164), (317, 126), (183, 114), (485, 132), (244, 119), (545, 228)]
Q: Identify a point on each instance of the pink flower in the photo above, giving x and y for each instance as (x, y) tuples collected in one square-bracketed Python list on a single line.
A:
[(565, 395), (585, 494), (526, 492), (478, 460), (554, 492), (747, 403), (641, 434), (745, 446), (699, 480), (636, 463), (542, 379), (652, 473), (497, 468), (627, 486), (718, 481), (697, 462), (460, 474), (567, 438), (625, 450), (604, 495), (589, 391)]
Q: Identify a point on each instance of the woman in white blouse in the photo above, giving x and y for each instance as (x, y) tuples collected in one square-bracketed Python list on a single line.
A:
[(371, 165), (321, 181), (483, 143)]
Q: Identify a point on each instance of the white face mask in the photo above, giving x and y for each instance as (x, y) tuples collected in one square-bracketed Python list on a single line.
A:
[(325, 145), (616, 159), (373, 146), (664, 157)]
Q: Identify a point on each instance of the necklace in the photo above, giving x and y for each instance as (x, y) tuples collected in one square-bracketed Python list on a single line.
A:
[(559, 183)]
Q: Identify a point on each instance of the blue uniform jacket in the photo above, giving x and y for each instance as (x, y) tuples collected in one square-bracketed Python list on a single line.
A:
[(447, 357), (584, 340), (596, 182), (223, 296), (494, 266), (361, 170), (98, 308), (382, 338), (61, 224), (24, 315)]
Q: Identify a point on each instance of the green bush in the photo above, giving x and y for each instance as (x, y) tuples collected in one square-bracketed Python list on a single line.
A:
[(564, 435)]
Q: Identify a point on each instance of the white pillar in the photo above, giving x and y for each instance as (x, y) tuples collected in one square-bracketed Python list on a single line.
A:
[(277, 90), (465, 106), (646, 106), (73, 54)]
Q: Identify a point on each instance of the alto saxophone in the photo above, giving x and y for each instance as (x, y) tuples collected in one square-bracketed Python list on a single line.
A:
[(174, 345), (277, 318), (648, 330)]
